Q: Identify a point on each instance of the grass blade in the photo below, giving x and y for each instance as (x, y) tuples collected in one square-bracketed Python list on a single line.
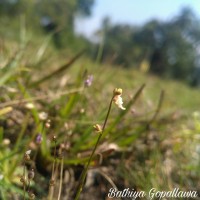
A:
[(59, 70)]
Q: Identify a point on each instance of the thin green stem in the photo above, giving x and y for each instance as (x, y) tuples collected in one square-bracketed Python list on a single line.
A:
[(28, 187), (84, 173), (61, 169), (54, 162), (61, 178), (52, 181), (24, 183)]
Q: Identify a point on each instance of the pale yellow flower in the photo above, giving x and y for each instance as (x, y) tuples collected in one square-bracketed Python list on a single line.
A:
[(97, 128), (28, 152), (43, 116), (118, 99), (29, 106)]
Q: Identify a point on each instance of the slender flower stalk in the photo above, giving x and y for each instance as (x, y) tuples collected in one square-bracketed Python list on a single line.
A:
[(54, 154), (52, 181), (23, 180), (61, 176), (116, 94), (31, 175)]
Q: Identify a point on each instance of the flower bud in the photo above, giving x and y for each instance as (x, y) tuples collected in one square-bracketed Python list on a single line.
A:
[(117, 91), (27, 155), (48, 123), (43, 116), (54, 138), (38, 139), (97, 128)]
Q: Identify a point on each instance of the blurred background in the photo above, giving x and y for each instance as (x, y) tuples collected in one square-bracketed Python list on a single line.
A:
[(63, 58), (162, 38)]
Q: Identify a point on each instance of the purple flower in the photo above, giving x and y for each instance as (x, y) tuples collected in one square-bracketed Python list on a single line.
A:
[(38, 139), (88, 81)]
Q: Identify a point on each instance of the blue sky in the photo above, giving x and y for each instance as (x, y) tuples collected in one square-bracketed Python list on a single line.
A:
[(132, 12)]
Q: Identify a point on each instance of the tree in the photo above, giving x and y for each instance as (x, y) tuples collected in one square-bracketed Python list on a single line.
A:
[(170, 47)]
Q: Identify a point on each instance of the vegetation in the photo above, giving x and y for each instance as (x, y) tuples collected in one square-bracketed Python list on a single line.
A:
[(64, 133), (168, 49)]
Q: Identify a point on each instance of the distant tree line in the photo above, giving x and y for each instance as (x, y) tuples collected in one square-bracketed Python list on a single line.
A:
[(169, 49)]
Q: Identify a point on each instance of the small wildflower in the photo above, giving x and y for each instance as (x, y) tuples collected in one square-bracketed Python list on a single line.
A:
[(38, 139), (27, 155), (43, 115), (29, 106), (48, 123), (82, 110), (28, 152), (6, 141), (89, 80), (117, 98), (54, 138), (97, 128)]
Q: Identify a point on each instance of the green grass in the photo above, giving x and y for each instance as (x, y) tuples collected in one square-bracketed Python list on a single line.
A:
[(55, 85)]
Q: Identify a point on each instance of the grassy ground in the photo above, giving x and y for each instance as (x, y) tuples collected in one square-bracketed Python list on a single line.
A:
[(153, 143)]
